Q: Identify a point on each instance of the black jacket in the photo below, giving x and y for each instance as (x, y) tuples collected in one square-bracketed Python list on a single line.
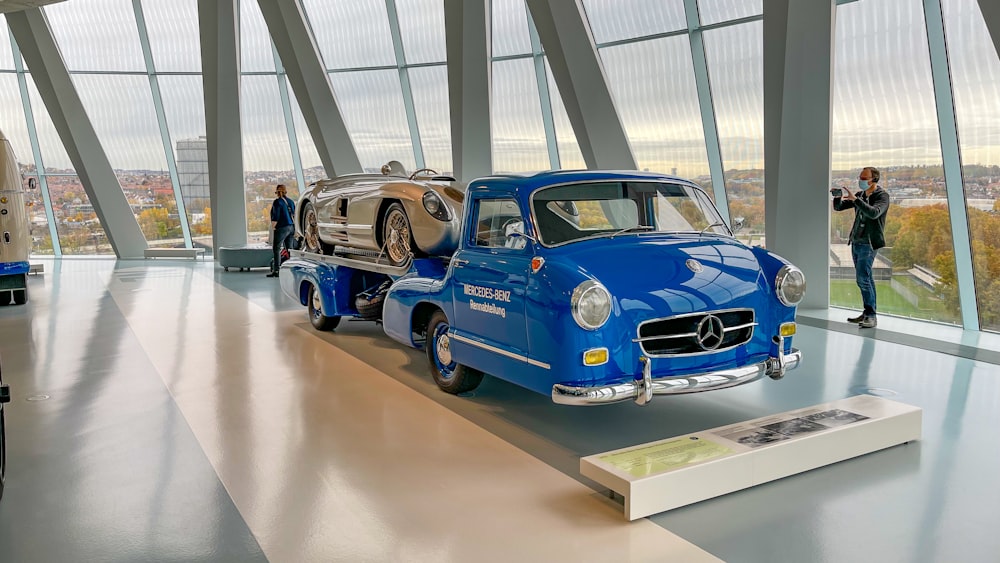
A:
[(869, 217)]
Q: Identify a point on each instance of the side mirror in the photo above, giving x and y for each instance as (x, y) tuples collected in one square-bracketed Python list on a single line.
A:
[(737, 224), (32, 183)]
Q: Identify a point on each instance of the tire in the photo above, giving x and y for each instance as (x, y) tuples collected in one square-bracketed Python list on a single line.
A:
[(21, 295), (310, 230), (450, 377), (316, 316), (397, 238)]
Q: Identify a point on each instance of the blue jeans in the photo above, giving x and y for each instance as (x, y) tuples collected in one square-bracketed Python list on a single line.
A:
[(864, 257), (282, 237)]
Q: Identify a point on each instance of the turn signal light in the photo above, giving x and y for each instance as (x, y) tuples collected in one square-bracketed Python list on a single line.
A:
[(787, 329), (595, 357)]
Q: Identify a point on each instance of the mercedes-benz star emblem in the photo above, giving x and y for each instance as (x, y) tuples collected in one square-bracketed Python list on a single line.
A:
[(694, 265), (710, 332)]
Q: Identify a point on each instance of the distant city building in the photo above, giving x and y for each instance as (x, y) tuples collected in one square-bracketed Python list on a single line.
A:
[(192, 169)]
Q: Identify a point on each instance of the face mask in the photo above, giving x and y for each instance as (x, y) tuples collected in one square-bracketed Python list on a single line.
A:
[(863, 184)]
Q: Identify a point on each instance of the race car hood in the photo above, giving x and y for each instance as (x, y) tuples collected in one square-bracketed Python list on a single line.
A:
[(669, 275)]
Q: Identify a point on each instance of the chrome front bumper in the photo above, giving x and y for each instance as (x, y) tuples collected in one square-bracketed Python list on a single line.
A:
[(642, 391)]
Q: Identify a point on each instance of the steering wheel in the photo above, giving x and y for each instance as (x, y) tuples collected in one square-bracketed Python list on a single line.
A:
[(417, 172)]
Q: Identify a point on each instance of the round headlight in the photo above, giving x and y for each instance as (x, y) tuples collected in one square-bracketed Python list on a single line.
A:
[(790, 285), (591, 305), (435, 207)]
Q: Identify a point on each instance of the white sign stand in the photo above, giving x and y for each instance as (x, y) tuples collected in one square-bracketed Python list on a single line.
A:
[(667, 474)]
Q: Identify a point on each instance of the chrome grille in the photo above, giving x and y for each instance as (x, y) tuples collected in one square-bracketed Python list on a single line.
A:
[(696, 333)]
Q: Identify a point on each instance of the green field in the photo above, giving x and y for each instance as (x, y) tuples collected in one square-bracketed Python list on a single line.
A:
[(845, 293)]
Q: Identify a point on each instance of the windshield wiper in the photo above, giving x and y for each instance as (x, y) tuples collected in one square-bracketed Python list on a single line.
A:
[(635, 228)]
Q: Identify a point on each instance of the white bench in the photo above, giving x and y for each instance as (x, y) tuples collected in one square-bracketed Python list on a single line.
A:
[(194, 253)]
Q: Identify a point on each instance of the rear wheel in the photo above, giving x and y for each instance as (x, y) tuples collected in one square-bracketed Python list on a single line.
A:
[(396, 235), (310, 229), (316, 316), (450, 376)]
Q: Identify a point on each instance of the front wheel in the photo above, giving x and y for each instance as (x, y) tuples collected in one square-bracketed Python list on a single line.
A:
[(316, 316), (450, 376), (310, 229), (396, 236)]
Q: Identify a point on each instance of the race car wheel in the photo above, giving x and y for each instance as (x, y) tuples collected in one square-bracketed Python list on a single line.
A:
[(450, 376), (310, 229), (396, 236), (316, 316)]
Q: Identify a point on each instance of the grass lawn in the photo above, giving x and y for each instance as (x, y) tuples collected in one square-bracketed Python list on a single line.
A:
[(845, 293)]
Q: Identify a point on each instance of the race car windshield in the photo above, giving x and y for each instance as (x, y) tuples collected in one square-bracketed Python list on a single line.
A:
[(578, 211)]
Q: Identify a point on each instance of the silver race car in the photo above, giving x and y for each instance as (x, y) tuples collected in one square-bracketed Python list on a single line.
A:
[(389, 215)]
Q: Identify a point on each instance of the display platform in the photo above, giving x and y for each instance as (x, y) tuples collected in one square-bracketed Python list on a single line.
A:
[(667, 474)]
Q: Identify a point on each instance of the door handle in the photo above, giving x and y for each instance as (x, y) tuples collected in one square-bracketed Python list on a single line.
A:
[(458, 262)]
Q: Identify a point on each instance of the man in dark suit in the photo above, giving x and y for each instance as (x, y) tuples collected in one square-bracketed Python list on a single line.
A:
[(870, 204)]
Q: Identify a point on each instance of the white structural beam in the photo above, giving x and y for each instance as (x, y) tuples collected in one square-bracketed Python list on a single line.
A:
[(578, 72), (219, 23), (55, 86), (468, 42), (303, 65), (797, 199), (991, 13), (951, 157)]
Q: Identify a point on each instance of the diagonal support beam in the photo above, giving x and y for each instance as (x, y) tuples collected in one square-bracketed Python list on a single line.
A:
[(991, 13), (577, 70), (303, 64), (55, 86)]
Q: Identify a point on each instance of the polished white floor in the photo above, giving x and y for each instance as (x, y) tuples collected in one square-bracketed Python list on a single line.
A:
[(194, 414)]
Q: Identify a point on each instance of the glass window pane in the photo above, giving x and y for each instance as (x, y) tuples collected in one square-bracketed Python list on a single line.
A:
[(715, 11), (510, 28), (267, 156), (184, 107), (518, 133), (421, 25), (6, 53), (884, 116), (612, 20), (38, 221), (312, 166), (430, 101), (53, 153), (255, 40), (80, 232), (653, 86), (174, 37), (121, 110), (736, 68), (570, 157), (97, 35), (975, 73), (351, 34), (372, 105), (12, 122)]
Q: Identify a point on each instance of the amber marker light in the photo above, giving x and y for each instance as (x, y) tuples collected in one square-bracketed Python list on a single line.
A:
[(595, 357), (536, 264), (787, 329)]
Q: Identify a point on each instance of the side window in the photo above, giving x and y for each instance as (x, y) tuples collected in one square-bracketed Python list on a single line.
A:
[(496, 220)]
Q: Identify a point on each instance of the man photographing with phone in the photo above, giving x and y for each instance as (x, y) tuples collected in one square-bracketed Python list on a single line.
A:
[(870, 204)]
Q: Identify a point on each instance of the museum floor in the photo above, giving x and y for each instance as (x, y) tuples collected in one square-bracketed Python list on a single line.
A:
[(170, 411)]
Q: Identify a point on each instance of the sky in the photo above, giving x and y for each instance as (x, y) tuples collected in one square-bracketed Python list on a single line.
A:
[(883, 111)]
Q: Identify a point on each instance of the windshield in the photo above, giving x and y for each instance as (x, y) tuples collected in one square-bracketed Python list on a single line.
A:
[(569, 213)]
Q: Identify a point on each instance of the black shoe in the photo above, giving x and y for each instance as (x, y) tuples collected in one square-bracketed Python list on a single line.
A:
[(273, 275), (868, 322), (857, 319)]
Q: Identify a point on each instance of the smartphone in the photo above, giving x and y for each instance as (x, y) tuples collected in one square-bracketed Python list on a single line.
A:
[(836, 192)]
